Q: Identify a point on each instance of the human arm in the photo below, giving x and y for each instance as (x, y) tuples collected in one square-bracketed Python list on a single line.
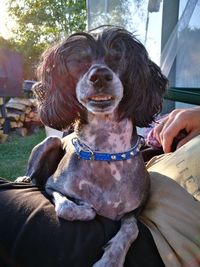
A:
[(170, 126)]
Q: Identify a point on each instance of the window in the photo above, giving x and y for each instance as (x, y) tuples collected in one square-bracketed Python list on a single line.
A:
[(181, 52), (188, 56), (143, 17)]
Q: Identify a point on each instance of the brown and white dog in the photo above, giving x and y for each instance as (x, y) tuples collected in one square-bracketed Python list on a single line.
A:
[(104, 85)]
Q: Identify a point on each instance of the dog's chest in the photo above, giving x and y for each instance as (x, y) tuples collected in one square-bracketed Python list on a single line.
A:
[(112, 188)]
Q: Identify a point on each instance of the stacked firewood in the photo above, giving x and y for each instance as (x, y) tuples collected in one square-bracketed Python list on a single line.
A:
[(3, 137), (22, 116)]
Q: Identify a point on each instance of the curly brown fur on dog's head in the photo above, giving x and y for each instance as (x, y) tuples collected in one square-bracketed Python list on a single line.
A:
[(64, 64)]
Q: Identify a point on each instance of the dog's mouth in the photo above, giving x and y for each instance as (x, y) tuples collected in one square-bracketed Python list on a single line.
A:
[(98, 99), (101, 103)]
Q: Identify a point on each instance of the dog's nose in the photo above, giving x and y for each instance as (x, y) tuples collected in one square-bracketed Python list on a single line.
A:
[(100, 77)]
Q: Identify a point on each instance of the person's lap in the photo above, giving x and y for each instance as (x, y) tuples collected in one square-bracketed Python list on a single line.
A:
[(181, 166), (172, 213), (32, 235)]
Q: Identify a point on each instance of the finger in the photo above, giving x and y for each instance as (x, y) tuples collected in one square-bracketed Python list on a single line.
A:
[(166, 137), (156, 132), (186, 139), (158, 129), (169, 132)]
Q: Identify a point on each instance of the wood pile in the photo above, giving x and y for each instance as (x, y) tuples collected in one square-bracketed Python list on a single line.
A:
[(22, 115), (3, 137)]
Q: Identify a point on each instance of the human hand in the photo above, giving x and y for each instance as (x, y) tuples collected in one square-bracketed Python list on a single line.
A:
[(170, 126)]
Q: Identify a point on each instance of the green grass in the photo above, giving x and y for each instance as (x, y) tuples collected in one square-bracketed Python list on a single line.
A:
[(14, 154)]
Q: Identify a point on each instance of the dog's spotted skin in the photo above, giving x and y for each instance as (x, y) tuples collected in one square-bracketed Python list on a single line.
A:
[(111, 188), (106, 85)]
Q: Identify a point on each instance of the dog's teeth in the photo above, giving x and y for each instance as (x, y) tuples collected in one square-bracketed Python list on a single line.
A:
[(100, 98)]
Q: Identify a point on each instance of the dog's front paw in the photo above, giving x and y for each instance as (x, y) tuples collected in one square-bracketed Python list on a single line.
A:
[(108, 262), (23, 179), (69, 210)]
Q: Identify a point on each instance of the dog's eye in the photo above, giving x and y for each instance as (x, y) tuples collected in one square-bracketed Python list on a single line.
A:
[(113, 55), (77, 62), (73, 61), (78, 65), (113, 60)]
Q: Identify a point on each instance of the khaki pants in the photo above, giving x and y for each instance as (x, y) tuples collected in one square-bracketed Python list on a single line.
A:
[(173, 211)]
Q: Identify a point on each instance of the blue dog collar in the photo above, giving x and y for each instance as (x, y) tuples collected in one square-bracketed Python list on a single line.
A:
[(84, 152)]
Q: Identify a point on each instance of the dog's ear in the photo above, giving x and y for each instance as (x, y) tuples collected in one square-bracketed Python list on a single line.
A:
[(144, 84), (57, 103), (151, 94)]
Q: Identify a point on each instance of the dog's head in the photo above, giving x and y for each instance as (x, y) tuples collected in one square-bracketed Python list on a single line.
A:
[(99, 73), (99, 90)]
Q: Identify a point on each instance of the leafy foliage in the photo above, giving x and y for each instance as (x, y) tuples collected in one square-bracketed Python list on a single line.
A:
[(47, 20), (6, 44), (40, 23)]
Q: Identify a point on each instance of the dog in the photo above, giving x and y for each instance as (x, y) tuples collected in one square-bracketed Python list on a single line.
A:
[(102, 85)]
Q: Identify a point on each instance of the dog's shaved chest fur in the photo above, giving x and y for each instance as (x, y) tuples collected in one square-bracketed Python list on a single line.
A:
[(112, 188)]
